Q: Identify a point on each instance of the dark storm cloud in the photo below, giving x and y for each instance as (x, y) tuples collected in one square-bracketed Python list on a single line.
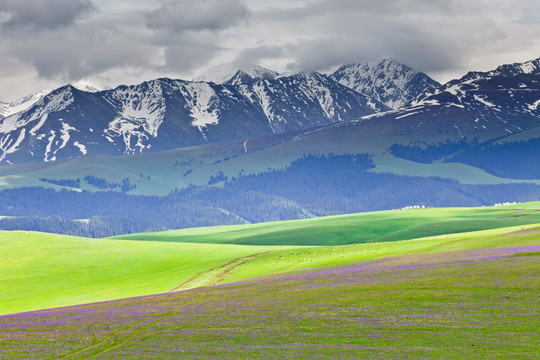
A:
[(429, 34), (128, 41), (184, 15), (39, 14), (187, 52), (173, 36), (89, 48)]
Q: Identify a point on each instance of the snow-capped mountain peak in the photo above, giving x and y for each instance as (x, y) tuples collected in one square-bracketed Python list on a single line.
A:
[(164, 113), (387, 81), (531, 67), (233, 74), (80, 85), (11, 108), (14, 107)]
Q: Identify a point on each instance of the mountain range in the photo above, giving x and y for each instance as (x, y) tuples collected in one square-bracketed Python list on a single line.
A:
[(224, 104), (473, 141)]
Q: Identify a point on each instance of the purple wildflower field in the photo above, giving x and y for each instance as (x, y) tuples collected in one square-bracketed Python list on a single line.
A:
[(473, 304)]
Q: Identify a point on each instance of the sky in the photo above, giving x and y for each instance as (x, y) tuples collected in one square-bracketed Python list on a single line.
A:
[(45, 44)]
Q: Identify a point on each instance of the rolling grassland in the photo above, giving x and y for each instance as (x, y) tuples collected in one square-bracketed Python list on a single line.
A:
[(42, 271), (467, 304), (45, 270)]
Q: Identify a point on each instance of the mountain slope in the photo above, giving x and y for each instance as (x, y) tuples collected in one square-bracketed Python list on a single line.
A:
[(388, 81), (431, 138)]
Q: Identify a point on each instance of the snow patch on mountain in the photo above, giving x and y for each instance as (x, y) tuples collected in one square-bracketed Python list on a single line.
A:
[(264, 99), (141, 110), (80, 85), (203, 104), (142, 105), (485, 101), (39, 124), (534, 106), (323, 95), (8, 146), (49, 145), (81, 147)]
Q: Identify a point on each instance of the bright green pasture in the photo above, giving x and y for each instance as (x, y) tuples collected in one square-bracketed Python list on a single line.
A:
[(42, 270), (370, 227)]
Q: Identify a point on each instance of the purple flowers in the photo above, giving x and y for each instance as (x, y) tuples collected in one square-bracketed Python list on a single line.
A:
[(440, 305)]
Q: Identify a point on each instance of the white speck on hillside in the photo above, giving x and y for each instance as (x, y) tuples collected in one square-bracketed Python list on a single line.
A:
[(535, 105), (81, 147)]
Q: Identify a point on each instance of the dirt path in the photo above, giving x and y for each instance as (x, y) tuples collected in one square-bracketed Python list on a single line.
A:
[(215, 275)]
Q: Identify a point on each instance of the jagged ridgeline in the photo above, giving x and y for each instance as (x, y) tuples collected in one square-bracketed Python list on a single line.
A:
[(165, 114)]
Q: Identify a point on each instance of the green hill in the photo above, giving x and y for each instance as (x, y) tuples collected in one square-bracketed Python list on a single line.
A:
[(369, 227)]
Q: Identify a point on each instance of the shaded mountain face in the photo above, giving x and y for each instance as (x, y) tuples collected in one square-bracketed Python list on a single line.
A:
[(388, 81), (501, 103), (14, 107), (165, 114)]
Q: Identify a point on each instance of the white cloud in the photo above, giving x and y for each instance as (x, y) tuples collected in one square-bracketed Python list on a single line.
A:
[(39, 14)]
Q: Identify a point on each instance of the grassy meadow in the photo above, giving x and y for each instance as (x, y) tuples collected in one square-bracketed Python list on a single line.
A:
[(470, 304), (44, 270), (195, 165)]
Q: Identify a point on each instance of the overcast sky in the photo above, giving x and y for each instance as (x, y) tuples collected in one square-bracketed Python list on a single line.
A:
[(47, 43)]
